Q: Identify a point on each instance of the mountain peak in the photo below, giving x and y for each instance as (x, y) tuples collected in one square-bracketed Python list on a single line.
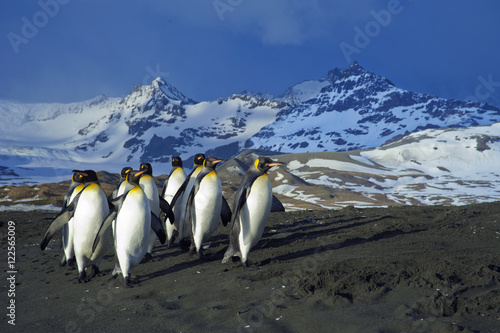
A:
[(334, 74), (159, 79), (357, 70), (159, 84)]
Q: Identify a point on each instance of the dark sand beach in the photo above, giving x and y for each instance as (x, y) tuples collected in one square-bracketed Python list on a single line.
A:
[(397, 269)]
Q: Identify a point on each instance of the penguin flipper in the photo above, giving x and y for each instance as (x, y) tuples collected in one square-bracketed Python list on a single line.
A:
[(167, 209), (59, 221), (225, 213), (158, 228), (277, 206), (179, 192), (234, 247), (241, 197), (113, 194), (114, 207), (104, 226), (164, 188), (68, 195), (192, 194)]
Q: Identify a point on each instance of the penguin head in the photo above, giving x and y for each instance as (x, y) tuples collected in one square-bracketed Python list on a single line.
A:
[(211, 162), (176, 162), (134, 176), (199, 159), (263, 164), (77, 177), (147, 168), (86, 176), (125, 171)]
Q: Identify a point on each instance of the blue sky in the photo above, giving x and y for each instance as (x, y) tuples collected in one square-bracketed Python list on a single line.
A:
[(73, 50)]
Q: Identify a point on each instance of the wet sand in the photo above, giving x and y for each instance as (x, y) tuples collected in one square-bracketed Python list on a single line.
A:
[(397, 269)]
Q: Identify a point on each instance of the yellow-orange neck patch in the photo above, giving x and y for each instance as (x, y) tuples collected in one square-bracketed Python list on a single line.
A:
[(256, 163)]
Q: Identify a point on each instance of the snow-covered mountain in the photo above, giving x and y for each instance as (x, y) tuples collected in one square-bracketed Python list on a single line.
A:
[(436, 166), (348, 109), (362, 110), (152, 123), (305, 90), (454, 166)]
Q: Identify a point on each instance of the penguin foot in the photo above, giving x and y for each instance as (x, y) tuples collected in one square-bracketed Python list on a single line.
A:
[(82, 277), (227, 255), (172, 238), (146, 258), (128, 282), (184, 244), (205, 255), (192, 251), (95, 271), (250, 268), (71, 262), (113, 276)]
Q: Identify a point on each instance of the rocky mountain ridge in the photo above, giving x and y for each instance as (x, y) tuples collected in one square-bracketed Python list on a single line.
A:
[(348, 109)]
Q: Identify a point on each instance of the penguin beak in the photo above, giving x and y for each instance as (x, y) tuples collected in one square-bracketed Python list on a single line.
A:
[(275, 164), (82, 173), (218, 161)]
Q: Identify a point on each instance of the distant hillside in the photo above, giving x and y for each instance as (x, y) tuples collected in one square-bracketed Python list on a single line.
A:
[(349, 109), (435, 166)]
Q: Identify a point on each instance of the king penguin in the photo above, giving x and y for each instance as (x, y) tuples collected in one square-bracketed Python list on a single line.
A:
[(124, 185), (252, 207), (204, 204), (67, 229), (174, 181), (88, 209), (180, 199), (148, 184), (132, 221)]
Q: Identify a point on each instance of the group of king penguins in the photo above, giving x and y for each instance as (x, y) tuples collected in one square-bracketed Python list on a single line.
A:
[(189, 206)]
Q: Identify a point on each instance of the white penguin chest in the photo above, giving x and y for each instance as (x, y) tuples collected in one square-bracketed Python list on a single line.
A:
[(134, 218), (175, 181), (91, 209), (149, 187), (256, 210), (209, 191)]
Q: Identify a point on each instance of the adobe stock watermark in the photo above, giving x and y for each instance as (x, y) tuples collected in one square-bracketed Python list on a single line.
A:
[(11, 272), (30, 27), (91, 306), (153, 74), (255, 316), (364, 35), (223, 6), (484, 89)]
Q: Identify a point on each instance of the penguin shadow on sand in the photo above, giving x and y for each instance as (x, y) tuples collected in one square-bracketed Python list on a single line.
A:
[(307, 228), (301, 229), (307, 232), (189, 260)]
